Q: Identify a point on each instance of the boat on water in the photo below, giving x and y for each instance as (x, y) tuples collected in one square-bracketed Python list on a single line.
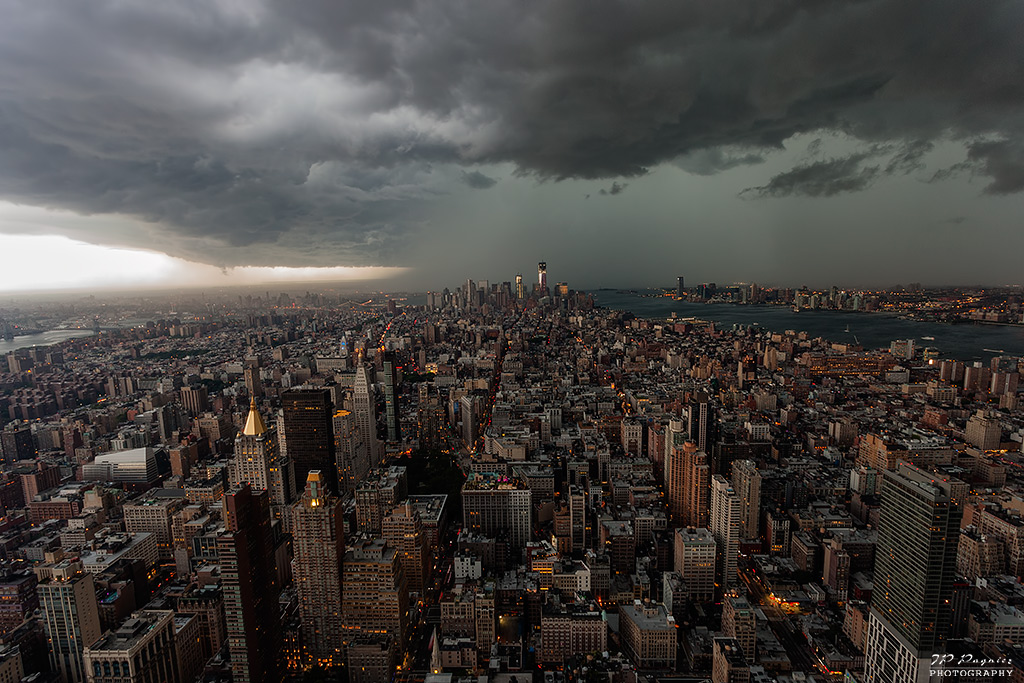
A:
[(994, 350), (928, 338)]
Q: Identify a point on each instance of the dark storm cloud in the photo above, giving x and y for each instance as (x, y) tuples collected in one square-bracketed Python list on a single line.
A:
[(820, 179), (829, 177), (616, 188), (317, 129), (477, 180)]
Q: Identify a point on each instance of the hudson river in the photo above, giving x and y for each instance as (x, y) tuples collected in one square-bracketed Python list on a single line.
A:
[(965, 342)]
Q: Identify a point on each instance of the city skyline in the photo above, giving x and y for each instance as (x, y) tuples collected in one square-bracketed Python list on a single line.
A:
[(741, 141)]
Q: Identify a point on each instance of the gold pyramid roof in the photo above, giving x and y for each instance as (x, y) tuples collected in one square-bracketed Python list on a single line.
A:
[(254, 423)]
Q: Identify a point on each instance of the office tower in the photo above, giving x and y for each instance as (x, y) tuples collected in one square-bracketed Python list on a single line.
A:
[(468, 414), (309, 434), (71, 617), (686, 479), (391, 385), (403, 530), (725, 527), (542, 277), (195, 400), (695, 553), (915, 565), (778, 532), (699, 415), (495, 506), (374, 591), (520, 289), (353, 460), (319, 543), (258, 462), (429, 423), (739, 621), (250, 586), (140, 650), (680, 288), (365, 410), (746, 481)]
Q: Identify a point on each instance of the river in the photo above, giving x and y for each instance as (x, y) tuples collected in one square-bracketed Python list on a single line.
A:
[(42, 339), (967, 342)]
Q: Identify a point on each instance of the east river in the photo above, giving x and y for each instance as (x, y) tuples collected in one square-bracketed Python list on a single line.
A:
[(41, 339), (966, 342)]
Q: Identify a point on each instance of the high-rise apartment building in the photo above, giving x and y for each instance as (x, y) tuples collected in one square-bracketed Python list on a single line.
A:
[(739, 621), (250, 586), (374, 591), (319, 543), (687, 479), (695, 554), (725, 527), (309, 434), (918, 531), (71, 616)]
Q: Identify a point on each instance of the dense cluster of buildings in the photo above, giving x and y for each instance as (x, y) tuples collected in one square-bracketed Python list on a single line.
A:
[(506, 483)]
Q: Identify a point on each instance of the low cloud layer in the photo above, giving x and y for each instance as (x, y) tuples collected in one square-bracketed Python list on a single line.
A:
[(316, 132)]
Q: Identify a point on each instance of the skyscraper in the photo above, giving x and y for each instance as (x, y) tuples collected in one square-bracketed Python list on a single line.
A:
[(403, 531), (686, 479), (365, 409), (699, 417), (319, 550), (520, 289), (258, 462), (680, 289), (918, 532), (309, 434), (542, 277), (250, 586), (746, 480), (350, 451), (72, 618), (725, 527), (391, 384)]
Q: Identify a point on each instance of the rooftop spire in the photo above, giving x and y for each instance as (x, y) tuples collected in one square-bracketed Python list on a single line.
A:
[(254, 423)]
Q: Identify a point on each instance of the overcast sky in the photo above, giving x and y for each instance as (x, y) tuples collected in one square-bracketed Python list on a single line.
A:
[(623, 142)]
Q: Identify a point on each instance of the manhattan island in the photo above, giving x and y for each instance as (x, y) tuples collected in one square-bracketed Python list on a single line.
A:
[(504, 482)]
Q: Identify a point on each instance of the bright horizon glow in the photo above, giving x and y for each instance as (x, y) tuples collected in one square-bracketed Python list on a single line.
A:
[(51, 262)]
